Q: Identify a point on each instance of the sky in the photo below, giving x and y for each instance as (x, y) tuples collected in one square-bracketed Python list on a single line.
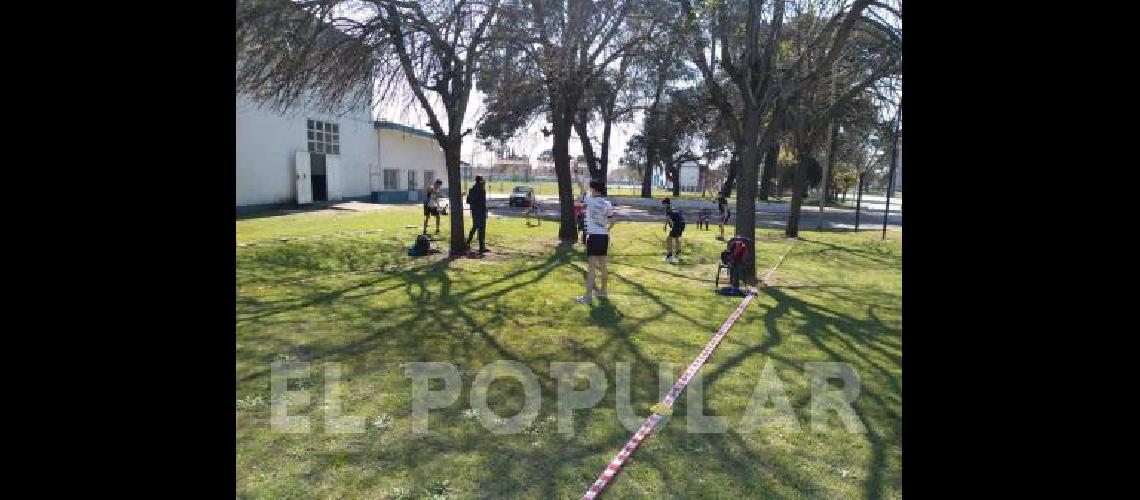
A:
[(531, 142)]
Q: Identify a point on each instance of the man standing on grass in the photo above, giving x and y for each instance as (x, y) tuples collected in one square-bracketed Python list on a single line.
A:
[(477, 199), (675, 223), (431, 205), (599, 221)]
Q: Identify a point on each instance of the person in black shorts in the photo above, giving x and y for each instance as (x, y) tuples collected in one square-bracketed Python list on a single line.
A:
[(725, 213), (599, 221), (477, 198), (675, 223)]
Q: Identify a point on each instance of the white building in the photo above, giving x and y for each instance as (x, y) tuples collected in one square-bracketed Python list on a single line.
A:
[(304, 156), (409, 161), (689, 173)]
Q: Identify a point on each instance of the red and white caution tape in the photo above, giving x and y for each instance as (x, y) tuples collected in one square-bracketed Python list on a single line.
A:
[(651, 422)]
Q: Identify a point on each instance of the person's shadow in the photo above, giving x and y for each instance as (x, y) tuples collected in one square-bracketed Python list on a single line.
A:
[(604, 312)]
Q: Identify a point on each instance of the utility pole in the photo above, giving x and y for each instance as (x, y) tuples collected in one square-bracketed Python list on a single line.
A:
[(894, 164), (858, 197)]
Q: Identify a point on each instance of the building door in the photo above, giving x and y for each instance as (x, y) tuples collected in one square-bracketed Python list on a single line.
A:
[(302, 178), (332, 177), (320, 177)]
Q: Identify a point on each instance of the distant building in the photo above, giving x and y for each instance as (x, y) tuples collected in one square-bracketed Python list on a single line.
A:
[(689, 172)]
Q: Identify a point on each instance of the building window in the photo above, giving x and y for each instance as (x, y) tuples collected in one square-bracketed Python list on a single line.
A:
[(391, 179), (429, 178), (411, 180), (324, 137)]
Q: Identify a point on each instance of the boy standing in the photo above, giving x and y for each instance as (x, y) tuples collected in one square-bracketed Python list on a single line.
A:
[(599, 221), (431, 205), (675, 223)]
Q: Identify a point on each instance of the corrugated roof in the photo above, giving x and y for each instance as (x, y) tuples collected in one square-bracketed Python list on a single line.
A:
[(387, 125)]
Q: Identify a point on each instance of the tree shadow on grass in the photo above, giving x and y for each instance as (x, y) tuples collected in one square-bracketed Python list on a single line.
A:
[(511, 466), (842, 338)]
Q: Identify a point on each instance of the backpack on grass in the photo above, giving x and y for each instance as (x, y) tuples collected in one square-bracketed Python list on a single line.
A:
[(421, 247)]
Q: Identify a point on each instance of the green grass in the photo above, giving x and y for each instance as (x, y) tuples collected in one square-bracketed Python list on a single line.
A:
[(366, 305)]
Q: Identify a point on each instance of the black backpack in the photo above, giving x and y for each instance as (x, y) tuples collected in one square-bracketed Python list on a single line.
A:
[(422, 245)]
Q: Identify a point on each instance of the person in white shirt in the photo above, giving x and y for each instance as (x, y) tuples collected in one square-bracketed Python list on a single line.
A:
[(431, 205), (599, 221)]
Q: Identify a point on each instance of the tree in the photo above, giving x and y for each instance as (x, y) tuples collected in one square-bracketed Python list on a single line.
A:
[(659, 64), (613, 103), (845, 179), (864, 50), (566, 47), (326, 47), (634, 156), (748, 46), (674, 129)]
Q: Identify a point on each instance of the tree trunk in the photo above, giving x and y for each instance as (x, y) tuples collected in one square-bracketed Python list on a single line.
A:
[(650, 164), (604, 159), (675, 167), (588, 148), (770, 158), (799, 186), (829, 183), (730, 176), (567, 229), (458, 242), (746, 191)]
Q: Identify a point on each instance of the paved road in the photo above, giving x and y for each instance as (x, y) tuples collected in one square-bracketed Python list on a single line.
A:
[(768, 215)]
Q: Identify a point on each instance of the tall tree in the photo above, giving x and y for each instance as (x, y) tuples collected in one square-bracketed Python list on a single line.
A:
[(864, 49), (569, 45), (429, 49), (749, 39), (611, 100), (659, 64)]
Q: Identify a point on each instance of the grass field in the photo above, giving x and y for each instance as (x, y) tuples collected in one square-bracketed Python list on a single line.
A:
[(366, 305)]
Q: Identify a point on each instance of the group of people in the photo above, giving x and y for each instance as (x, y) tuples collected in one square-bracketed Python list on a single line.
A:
[(595, 217), (476, 199)]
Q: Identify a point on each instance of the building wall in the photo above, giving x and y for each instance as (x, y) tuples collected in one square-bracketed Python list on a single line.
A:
[(690, 175), (402, 151), (267, 143)]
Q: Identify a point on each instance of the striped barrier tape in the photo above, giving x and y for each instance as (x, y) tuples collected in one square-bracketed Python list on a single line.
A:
[(666, 403), (665, 407)]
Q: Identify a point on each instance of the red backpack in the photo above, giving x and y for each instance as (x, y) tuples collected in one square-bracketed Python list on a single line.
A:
[(737, 251)]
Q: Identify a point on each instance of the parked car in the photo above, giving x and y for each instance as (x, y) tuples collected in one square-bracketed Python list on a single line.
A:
[(521, 196)]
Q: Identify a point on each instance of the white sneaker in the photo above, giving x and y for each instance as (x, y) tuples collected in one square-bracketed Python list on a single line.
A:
[(583, 300)]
